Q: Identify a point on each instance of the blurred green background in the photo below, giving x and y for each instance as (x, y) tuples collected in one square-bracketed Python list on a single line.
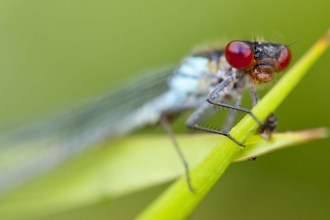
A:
[(57, 53)]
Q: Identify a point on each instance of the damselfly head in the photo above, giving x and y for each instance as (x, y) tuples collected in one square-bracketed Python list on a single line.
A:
[(259, 60)]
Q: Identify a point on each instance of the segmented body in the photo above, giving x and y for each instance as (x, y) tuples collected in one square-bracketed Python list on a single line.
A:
[(33, 149), (30, 150)]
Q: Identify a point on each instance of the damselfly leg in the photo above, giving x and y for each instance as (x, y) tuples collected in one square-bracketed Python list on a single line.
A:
[(212, 99), (169, 131), (237, 101), (215, 98), (270, 123), (267, 128)]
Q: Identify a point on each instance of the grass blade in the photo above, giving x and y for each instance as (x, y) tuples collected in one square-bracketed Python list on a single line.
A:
[(124, 168), (177, 202)]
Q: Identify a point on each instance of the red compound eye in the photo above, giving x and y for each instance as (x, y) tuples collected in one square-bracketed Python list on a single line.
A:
[(284, 58), (238, 54)]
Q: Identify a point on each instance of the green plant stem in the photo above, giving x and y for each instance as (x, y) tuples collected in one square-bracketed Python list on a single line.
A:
[(178, 202)]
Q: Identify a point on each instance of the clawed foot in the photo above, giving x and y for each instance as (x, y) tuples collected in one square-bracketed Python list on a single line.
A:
[(267, 128)]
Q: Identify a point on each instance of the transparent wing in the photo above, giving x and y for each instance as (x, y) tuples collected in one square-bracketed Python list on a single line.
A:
[(32, 149)]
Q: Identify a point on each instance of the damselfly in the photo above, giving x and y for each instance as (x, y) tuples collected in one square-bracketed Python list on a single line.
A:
[(208, 78)]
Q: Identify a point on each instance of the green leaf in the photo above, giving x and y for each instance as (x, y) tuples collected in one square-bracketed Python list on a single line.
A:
[(132, 164), (256, 146)]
